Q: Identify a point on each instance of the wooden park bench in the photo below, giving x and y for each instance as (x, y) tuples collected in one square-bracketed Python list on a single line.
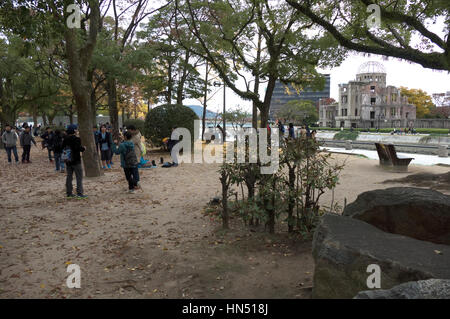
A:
[(388, 157), (383, 155)]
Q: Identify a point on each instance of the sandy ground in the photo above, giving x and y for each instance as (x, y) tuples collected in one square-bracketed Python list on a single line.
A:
[(156, 243)]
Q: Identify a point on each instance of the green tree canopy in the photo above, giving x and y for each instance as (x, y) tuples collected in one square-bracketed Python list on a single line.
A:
[(266, 39), (404, 29), (299, 112)]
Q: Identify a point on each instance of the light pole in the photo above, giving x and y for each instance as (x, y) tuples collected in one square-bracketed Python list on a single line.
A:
[(218, 84)]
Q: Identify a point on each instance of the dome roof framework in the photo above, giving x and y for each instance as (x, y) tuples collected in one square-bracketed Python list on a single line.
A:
[(371, 67)]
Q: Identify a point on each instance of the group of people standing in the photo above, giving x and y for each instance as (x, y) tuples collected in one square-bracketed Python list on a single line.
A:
[(65, 148), (10, 138), (305, 131)]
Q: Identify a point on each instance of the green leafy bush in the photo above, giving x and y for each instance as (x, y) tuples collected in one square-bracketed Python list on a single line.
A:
[(291, 194), (161, 119)]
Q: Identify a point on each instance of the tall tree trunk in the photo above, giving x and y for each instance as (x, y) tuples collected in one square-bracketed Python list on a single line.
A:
[(265, 107), (34, 115), (44, 119), (93, 109), (112, 106), (205, 99), (257, 79), (91, 160), (71, 114), (291, 200), (93, 98), (169, 82), (225, 181), (180, 87), (50, 119), (79, 59)]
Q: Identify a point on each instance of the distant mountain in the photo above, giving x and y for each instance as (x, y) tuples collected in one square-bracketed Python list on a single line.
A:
[(198, 109)]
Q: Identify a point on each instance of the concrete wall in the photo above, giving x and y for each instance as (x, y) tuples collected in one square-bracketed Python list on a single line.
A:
[(432, 123), (388, 138), (420, 144), (406, 148)]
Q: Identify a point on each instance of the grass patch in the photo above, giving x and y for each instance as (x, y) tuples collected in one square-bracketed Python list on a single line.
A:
[(346, 135)]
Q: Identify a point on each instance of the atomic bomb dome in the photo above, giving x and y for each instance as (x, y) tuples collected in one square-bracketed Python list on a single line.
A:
[(368, 102), (371, 71), (371, 67)]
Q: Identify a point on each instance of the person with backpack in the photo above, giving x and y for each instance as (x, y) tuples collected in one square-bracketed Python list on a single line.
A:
[(47, 138), (104, 142), (9, 139), (128, 161), (72, 157), (57, 142), (26, 138)]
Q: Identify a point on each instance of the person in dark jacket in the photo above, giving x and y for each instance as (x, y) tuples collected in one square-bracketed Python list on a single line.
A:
[(74, 165), (291, 131), (26, 138), (104, 142), (170, 144), (281, 128), (308, 131), (47, 138), (57, 142), (131, 171)]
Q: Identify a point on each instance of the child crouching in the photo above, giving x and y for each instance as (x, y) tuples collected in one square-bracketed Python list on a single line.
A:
[(128, 160)]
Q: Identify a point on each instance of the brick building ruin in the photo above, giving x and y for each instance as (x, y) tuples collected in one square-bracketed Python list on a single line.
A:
[(368, 103)]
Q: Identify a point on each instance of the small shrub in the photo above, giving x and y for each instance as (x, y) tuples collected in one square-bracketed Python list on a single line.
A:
[(161, 119)]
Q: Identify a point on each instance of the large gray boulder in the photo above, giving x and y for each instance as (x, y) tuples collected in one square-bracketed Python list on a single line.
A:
[(423, 289), (419, 213), (343, 247)]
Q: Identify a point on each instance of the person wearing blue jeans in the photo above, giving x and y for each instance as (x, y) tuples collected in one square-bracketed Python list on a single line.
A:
[(12, 149), (57, 141), (9, 139), (59, 163)]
